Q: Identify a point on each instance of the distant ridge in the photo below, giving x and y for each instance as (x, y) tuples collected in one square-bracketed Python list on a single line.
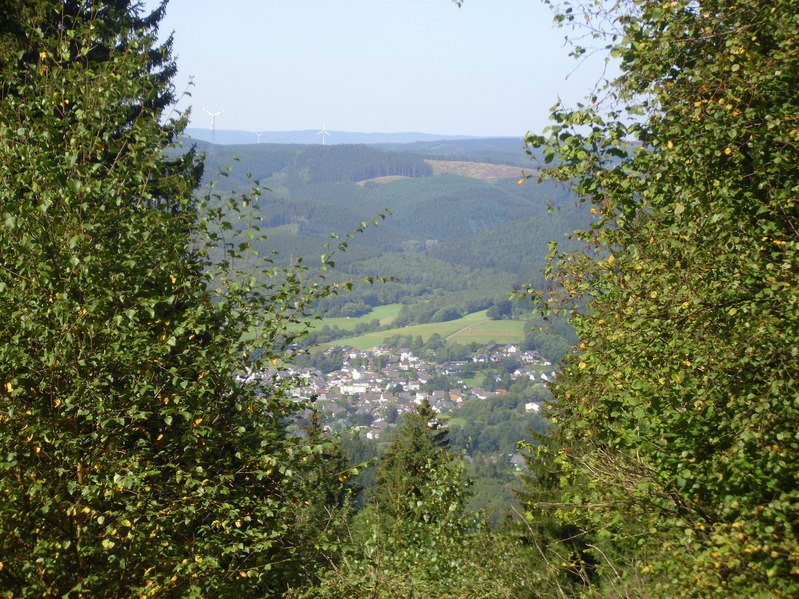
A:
[(492, 150), (310, 136)]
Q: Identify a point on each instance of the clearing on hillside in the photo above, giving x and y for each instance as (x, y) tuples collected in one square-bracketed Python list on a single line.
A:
[(483, 171)]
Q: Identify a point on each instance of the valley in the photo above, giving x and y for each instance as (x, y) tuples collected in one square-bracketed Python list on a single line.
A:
[(460, 232), (423, 312)]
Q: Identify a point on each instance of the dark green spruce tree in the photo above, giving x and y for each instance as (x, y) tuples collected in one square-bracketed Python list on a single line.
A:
[(327, 496), (562, 561), (404, 471)]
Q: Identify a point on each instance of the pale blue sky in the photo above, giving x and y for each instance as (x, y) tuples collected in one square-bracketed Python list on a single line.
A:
[(489, 68)]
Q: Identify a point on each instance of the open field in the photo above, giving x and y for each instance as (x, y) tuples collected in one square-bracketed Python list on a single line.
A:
[(385, 314), (491, 331), (475, 170), (473, 327), (474, 381)]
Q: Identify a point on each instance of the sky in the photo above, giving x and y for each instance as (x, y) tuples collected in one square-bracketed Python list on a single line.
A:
[(489, 68)]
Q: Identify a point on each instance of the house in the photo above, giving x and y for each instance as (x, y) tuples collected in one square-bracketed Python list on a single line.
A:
[(353, 388), (481, 393), (526, 372), (517, 461), (381, 349), (438, 396)]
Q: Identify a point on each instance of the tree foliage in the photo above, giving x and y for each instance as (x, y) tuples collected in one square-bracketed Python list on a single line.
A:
[(137, 458), (413, 538), (679, 411), (406, 467)]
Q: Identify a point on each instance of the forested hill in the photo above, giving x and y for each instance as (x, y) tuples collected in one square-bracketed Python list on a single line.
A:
[(266, 158), (316, 163), (313, 136), (457, 214), (495, 150)]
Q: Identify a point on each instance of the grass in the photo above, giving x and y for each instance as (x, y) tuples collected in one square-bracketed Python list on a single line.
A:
[(474, 381), (385, 314), (493, 331), (474, 327)]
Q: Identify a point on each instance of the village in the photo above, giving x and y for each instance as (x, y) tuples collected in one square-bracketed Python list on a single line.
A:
[(372, 387)]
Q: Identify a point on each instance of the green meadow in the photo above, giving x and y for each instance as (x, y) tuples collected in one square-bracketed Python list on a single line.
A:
[(385, 314), (474, 327)]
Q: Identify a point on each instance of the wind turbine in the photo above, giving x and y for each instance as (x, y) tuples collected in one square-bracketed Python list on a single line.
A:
[(323, 133), (213, 116), (258, 135)]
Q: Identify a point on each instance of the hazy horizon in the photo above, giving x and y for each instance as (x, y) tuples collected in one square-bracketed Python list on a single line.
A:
[(491, 68)]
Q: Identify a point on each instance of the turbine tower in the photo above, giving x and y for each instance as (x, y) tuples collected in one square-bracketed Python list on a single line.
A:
[(324, 132), (258, 135), (213, 116)]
